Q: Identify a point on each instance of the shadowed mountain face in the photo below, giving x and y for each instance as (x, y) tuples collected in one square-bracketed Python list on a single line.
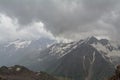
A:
[(83, 63), (21, 73), (81, 60), (88, 59)]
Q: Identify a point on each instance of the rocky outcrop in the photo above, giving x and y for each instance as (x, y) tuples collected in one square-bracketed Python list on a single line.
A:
[(22, 73), (116, 76)]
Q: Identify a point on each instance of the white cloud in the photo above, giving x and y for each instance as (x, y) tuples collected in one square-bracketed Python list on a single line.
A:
[(10, 30), (71, 19)]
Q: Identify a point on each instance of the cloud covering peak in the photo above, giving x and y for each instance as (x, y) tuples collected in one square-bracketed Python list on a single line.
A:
[(71, 19)]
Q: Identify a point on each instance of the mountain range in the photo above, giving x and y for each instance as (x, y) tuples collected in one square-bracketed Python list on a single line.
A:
[(13, 51), (86, 59)]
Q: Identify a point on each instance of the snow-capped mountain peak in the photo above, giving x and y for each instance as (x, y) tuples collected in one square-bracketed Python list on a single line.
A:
[(61, 49), (19, 43), (103, 46), (91, 40), (75, 57)]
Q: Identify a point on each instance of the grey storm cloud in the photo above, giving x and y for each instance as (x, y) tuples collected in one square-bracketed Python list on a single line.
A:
[(68, 18)]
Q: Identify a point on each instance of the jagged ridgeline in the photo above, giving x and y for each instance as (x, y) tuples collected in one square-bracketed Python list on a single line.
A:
[(88, 59)]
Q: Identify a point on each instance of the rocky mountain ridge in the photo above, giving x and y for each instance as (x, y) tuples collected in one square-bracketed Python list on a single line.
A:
[(83, 59), (22, 73)]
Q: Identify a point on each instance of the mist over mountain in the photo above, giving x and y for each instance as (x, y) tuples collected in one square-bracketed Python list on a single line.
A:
[(85, 59), (67, 19), (13, 51)]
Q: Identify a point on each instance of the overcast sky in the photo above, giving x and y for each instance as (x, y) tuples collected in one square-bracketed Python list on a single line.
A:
[(71, 19)]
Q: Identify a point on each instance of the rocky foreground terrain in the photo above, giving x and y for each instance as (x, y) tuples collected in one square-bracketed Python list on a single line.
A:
[(116, 76), (22, 73)]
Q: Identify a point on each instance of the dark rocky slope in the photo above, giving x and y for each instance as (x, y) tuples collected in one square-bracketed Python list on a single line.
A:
[(21, 73), (116, 76), (83, 63)]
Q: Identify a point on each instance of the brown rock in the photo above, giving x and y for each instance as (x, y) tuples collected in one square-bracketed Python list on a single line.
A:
[(22, 73), (116, 76)]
